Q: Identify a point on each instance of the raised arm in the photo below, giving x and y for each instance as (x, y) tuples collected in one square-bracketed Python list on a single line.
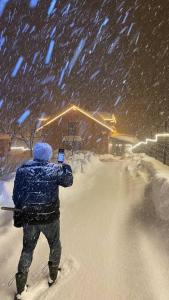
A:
[(65, 176)]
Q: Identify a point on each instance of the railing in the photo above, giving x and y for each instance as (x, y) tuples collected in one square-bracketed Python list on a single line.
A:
[(158, 149)]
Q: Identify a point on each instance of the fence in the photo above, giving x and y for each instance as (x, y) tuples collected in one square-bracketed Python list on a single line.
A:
[(159, 150)]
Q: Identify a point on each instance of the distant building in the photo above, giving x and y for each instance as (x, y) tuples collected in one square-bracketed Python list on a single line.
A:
[(119, 144), (76, 129), (5, 144)]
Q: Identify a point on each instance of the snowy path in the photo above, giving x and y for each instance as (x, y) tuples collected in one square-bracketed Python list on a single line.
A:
[(111, 250)]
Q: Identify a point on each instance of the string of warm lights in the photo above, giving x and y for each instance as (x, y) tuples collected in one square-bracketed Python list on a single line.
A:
[(54, 119), (93, 118), (151, 140), (74, 107), (112, 120), (20, 148)]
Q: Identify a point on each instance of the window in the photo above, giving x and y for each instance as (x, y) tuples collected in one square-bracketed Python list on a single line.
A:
[(72, 128)]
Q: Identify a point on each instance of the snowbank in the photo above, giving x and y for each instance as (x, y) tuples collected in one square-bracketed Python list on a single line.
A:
[(159, 183), (6, 188), (81, 162), (108, 157)]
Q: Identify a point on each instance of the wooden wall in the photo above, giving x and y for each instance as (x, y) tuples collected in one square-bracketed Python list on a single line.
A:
[(5, 145), (94, 136)]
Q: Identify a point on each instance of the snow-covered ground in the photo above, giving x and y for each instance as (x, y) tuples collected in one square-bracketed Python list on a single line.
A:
[(113, 246), (159, 183)]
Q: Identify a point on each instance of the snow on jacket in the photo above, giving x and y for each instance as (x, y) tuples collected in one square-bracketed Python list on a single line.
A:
[(36, 191)]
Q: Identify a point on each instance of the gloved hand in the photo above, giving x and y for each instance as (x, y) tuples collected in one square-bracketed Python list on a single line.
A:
[(65, 176), (66, 169), (18, 219)]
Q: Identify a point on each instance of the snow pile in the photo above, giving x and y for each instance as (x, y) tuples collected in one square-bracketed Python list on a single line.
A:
[(6, 188), (106, 242), (108, 157), (81, 162), (159, 183), (5, 192)]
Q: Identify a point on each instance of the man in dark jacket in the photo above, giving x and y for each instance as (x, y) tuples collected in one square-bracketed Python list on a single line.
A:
[(36, 196)]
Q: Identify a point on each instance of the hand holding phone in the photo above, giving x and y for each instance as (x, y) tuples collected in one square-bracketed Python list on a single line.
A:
[(61, 156)]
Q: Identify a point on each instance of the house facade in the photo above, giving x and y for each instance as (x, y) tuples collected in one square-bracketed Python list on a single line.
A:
[(76, 129), (5, 144), (119, 144)]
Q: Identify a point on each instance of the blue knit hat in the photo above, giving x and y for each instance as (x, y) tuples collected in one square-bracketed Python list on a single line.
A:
[(42, 151)]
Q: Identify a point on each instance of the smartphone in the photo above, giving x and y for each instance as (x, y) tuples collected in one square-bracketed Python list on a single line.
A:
[(61, 156)]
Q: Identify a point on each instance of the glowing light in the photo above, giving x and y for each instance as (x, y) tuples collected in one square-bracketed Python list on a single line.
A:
[(43, 119), (91, 117), (151, 140), (113, 119), (74, 107), (20, 148), (54, 119)]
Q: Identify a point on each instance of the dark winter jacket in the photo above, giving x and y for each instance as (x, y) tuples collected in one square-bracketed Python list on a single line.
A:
[(36, 191)]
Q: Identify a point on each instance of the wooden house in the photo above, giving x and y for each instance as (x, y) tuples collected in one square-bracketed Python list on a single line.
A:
[(5, 144), (77, 129)]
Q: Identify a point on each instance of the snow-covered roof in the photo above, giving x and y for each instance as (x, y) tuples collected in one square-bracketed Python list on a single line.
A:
[(126, 138), (95, 118), (103, 115)]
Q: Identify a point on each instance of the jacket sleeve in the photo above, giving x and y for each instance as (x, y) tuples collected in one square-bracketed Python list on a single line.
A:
[(65, 176), (17, 216), (16, 190)]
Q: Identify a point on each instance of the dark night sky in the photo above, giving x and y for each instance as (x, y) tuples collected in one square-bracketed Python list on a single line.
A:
[(123, 66)]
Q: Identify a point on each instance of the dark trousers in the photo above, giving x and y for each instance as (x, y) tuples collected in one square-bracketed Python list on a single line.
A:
[(31, 234)]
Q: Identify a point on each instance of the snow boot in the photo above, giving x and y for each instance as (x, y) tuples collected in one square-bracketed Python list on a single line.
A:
[(21, 279), (19, 296), (53, 272)]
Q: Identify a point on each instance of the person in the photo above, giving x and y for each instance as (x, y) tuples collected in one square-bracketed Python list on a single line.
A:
[(36, 199)]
